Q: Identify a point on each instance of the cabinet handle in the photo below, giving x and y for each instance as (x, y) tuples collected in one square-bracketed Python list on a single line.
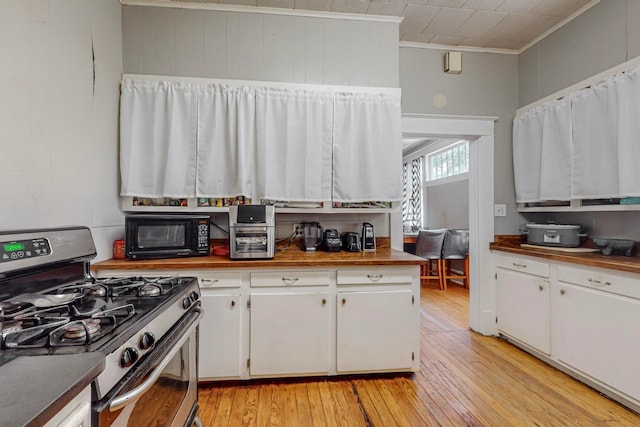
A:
[(289, 280), (344, 301), (589, 279), (561, 291), (541, 287), (324, 301), (209, 282), (374, 277), (515, 264), (233, 303)]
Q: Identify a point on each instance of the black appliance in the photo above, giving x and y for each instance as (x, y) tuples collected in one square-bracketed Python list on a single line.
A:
[(368, 237), (251, 232), (166, 236), (146, 328), (311, 236), (331, 241), (351, 242)]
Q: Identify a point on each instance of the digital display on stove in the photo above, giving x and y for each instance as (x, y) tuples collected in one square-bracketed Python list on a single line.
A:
[(15, 246), (17, 250)]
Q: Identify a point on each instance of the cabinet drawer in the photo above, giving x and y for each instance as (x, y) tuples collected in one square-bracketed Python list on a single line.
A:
[(604, 280), (523, 265), (373, 276), (220, 279), (289, 278)]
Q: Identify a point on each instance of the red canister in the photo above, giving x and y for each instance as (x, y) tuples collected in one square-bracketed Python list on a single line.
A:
[(118, 249)]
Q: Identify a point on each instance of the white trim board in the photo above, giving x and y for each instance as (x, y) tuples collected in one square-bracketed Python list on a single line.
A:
[(269, 84), (621, 68), (263, 10), (480, 133)]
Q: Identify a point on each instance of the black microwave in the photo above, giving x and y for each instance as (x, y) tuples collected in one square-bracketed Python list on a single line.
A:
[(166, 236)]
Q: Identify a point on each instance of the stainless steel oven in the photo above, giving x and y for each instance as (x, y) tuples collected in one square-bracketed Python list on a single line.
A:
[(162, 389), (146, 327)]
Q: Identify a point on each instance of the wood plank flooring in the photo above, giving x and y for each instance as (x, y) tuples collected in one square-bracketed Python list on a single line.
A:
[(465, 379)]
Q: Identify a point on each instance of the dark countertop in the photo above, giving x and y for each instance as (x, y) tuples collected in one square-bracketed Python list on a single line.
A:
[(33, 389), (291, 256), (511, 244)]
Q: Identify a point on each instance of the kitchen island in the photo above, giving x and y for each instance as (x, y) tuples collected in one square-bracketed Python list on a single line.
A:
[(300, 313), (579, 312)]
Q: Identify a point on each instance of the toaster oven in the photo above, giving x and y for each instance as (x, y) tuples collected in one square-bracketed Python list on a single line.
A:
[(251, 232)]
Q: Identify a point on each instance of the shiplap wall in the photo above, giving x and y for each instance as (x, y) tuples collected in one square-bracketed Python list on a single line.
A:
[(255, 46), (59, 127)]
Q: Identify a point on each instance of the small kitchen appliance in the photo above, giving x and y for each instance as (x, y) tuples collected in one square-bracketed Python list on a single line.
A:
[(149, 236), (351, 242), (331, 241), (251, 232), (559, 235), (311, 236), (145, 328), (368, 237)]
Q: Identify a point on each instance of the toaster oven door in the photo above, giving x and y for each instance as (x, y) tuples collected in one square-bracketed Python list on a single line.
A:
[(250, 242)]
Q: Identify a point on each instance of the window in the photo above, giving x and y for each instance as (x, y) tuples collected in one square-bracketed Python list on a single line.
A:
[(451, 160), (412, 195)]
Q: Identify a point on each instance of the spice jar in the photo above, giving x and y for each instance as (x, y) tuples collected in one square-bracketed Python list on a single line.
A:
[(118, 249)]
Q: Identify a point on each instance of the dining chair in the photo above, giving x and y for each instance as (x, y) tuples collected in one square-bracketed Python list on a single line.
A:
[(429, 246), (455, 246)]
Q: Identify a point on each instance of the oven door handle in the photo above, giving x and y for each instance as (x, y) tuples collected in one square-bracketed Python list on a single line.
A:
[(135, 394)]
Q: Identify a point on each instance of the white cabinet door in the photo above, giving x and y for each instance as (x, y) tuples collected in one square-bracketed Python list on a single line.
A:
[(219, 339), (523, 307), (375, 331), (289, 333), (599, 334)]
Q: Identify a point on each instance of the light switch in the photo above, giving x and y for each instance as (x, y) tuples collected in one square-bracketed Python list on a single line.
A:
[(500, 210)]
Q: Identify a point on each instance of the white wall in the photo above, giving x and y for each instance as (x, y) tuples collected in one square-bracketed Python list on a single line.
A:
[(448, 205), (58, 131), (255, 46), (487, 86)]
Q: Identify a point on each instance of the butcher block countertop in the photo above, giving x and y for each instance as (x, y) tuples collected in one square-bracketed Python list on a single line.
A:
[(512, 244), (286, 256)]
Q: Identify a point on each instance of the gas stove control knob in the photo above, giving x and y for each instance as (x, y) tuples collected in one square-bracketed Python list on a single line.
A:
[(128, 357), (186, 303), (147, 340), (194, 296)]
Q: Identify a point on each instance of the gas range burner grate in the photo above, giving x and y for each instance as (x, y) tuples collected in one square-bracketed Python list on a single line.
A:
[(141, 286), (41, 329)]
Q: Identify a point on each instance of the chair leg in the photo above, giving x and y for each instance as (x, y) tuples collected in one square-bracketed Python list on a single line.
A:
[(441, 271), (466, 272)]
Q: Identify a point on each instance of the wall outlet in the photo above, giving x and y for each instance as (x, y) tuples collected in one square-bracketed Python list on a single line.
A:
[(296, 227), (500, 210)]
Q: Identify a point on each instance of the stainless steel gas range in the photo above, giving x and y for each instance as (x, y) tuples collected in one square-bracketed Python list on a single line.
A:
[(146, 327)]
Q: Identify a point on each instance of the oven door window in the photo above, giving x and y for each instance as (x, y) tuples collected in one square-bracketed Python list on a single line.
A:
[(167, 402), (251, 241)]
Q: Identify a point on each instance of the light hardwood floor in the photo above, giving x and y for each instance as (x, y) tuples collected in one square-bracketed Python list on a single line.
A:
[(465, 379)]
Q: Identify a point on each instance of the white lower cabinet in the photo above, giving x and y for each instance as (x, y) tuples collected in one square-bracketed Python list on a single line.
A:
[(523, 308), (289, 334), (219, 338), (375, 330), (598, 333)]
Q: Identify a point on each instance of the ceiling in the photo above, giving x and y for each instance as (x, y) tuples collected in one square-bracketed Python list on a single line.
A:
[(484, 24)]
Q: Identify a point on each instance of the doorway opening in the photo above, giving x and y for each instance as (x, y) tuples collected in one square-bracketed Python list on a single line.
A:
[(479, 131)]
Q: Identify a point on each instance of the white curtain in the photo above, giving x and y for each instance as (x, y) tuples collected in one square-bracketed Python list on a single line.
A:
[(293, 136), (367, 148), (555, 154), (226, 140), (527, 151), (595, 142), (157, 139), (628, 93)]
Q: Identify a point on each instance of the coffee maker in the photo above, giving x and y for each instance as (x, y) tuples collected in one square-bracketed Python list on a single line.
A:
[(311, 236), (368, 237)]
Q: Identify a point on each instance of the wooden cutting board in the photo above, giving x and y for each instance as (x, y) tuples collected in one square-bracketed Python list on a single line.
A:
[(557, 249)]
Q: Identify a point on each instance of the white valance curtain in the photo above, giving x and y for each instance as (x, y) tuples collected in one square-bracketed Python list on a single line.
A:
[(583, 146), (226, 133), (294, 143), (157, 139), (367, 148)]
